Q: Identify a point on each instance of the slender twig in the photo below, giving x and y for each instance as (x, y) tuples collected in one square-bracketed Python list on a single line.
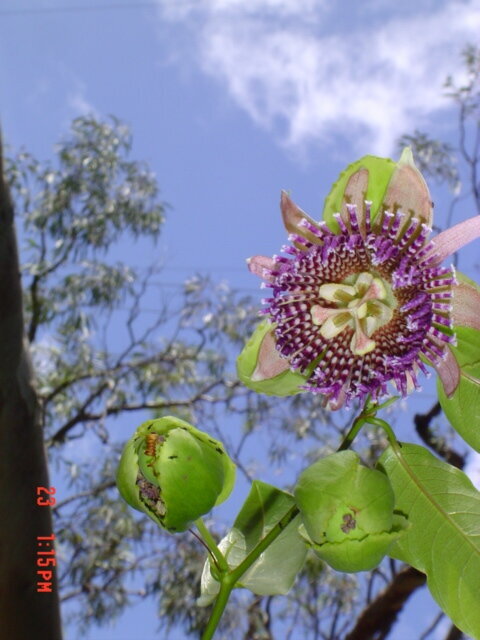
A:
[(83, 416), (422, 425), (34, 285), (84, 494), (211, 545), (432, 626)]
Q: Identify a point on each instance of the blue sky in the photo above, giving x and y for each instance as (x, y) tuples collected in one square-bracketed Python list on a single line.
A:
[(230, 101)]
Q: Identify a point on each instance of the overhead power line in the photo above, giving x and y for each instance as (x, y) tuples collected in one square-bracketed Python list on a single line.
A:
[(206, 268), (19, 11)]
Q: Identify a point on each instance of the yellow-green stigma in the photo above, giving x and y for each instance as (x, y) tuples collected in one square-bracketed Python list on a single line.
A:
[(363, 305)]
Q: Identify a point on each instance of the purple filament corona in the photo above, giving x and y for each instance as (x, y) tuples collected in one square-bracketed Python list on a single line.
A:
[(395, 249)]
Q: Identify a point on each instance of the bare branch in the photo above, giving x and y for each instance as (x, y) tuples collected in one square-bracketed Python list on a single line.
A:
[(37, 278), (454, 634), (422, 426), (377, 619), (95, 491), (83, 416), (80, 416), (432, 626)]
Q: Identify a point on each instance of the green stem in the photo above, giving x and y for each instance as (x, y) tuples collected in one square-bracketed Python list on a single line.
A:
[(274, 532), (212, 545), (226, 587), (352, 434), (388, 430), (368, 416), (229, 578)]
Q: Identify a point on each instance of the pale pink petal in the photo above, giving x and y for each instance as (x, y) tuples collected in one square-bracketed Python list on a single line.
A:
[(355, 193), (258, 265), (466, 306), (410, 382), (292, 217), (407, 190), (269, 363), (335, 405), (454, 239), (449, 372)]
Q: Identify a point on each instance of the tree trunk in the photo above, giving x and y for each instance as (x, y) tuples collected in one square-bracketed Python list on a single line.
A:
[(25, 612)]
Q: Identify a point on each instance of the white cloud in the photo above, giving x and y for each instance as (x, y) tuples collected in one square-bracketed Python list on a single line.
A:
[(208, 9), (306, 74), (78, 102)]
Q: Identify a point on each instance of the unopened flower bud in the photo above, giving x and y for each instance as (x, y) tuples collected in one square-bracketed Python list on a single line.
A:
[(347, 512), (174, 473)]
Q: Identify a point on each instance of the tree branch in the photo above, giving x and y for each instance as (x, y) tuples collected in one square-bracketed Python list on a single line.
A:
[(422, 425), (84, 494), (454, 633), (35, 302), (83, 416), (80, 416), (377, 619)]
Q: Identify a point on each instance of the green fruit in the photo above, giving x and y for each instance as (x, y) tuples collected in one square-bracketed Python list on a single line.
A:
[(347, 512), (174, 473)]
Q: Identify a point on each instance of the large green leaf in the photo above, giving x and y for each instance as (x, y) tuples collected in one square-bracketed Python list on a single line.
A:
[(275, 570), (463, 407), (443, 541)]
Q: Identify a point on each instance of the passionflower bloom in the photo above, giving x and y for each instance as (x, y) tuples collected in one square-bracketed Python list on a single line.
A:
[(361, 299)]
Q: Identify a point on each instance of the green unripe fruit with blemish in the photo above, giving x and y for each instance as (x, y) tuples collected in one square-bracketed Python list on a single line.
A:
[(174, 472), (347, 512)]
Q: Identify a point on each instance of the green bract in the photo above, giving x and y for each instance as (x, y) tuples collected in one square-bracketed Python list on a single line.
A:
[(285, 384), (174, 473), (375, 172), (274, 572), (462, 407), (347, 512)]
